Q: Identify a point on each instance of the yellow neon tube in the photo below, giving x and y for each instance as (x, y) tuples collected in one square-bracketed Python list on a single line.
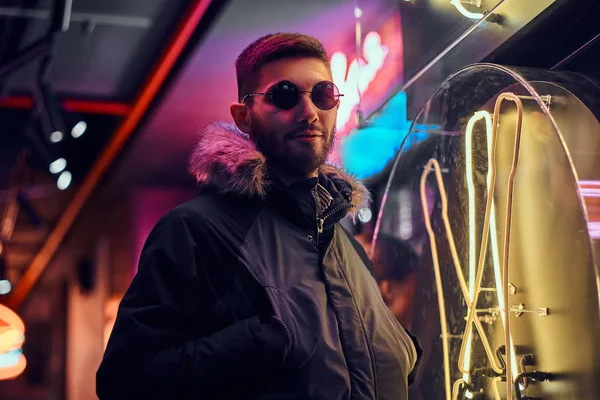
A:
[(493, 235), (471, 299), (461, 9)]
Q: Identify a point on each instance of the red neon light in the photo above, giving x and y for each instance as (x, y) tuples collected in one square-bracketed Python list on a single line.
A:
[(97, 107), (354, 80), (78, 106), (12, 336)]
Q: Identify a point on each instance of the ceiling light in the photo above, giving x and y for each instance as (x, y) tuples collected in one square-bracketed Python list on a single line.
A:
[(78, 129), (58, 165), (56, 136), (64, 180), (5, 286)]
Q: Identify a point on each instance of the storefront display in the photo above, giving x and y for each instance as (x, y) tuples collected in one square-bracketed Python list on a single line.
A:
[(504, 213)]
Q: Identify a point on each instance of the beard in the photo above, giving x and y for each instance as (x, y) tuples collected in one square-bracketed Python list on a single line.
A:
[(283, 151)]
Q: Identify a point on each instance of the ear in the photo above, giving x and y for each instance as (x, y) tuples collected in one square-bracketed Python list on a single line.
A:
[(385, 287), (241, 116)]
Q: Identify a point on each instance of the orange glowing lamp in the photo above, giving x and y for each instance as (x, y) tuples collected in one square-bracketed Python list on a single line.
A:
[(12, 336)]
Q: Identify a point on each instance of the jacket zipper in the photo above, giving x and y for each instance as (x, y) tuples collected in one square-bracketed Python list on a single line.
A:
[(321, 219), (319, 227), (329, 213)]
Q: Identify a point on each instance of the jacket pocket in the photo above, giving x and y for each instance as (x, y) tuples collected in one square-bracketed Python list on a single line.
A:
[(243, 298), (298, 320)]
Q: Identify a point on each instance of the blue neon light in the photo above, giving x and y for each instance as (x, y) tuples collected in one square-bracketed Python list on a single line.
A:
[(368, 150)]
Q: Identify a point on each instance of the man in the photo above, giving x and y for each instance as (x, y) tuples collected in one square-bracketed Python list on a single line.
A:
[(253, 290), (395, 264)]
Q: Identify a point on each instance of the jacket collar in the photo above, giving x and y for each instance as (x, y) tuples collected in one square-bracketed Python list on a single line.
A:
[(226, 160)]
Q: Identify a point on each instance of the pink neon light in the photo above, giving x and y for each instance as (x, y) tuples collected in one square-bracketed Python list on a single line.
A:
[(594, 230), (589, 183), (589, 192), (355, 79)]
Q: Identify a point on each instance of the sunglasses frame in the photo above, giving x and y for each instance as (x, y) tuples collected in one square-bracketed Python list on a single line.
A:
[(270, 93)]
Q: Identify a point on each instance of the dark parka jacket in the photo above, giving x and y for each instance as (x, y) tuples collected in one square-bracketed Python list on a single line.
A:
[(246, 293)]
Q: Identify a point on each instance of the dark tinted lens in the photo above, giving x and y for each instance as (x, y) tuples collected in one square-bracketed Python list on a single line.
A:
[(325, 95), (284, 95)]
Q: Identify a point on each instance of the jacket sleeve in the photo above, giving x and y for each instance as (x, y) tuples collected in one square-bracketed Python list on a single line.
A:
[(417, 368), (152, 352)]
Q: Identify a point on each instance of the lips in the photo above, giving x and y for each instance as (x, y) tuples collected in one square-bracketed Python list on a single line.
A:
[(309, 133), (306, 136)]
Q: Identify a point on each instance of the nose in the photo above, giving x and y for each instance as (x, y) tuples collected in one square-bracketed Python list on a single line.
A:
[(306, 111)]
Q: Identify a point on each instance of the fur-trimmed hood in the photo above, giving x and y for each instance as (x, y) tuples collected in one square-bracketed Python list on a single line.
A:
[(226, 159)]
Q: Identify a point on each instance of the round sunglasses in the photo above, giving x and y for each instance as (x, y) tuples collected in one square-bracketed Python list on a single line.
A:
[(285, 95)]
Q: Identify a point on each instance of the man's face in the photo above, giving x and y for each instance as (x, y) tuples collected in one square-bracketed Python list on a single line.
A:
[(300, 138)]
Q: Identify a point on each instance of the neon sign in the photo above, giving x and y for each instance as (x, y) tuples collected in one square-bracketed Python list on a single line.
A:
[(355, 79), (12, 336), (461, 9)]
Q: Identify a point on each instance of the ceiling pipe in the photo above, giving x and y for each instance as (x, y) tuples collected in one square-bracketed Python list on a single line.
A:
[(116, 143)]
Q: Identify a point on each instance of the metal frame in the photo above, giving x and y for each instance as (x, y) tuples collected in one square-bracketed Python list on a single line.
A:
[(159, 75)]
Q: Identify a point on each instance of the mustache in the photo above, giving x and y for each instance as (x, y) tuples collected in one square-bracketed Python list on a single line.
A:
[(302, 128)]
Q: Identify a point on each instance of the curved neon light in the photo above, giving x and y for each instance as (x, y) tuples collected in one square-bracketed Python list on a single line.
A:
[(471, 293), (461, 9), (12, 336), (487, 117)]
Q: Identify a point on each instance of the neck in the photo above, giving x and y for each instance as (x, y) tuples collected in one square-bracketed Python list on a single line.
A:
[(288, 175), (291, 179)]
